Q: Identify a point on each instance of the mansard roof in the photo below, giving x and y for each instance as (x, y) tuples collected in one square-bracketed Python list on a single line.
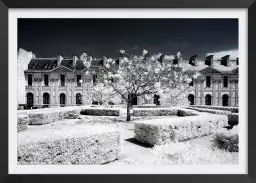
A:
[(51, 63)]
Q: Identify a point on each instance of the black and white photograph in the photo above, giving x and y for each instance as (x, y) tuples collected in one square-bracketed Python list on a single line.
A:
[(115, 92)]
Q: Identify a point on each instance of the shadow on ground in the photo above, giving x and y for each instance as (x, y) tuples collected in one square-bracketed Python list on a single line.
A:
[(134, 141)]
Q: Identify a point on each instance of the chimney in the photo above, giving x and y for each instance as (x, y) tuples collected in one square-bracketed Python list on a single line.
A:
[(59, 59), (192, 60), (209, 60), (225, 60), (105, 60), (74, 59)]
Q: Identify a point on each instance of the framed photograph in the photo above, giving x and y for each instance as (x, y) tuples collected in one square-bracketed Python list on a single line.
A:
[(125, 88)]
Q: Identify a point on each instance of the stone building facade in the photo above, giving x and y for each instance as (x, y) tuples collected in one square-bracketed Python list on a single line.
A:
[(61, 81)]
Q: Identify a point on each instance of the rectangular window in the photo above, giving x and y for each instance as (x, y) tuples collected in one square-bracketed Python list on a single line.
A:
[(78, 80), (225, 83), (29, 79), (208, 81), (62, 80), (46, 80)]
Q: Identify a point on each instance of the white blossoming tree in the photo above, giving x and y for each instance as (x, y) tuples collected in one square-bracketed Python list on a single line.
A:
[(103, 95), (143, 76)]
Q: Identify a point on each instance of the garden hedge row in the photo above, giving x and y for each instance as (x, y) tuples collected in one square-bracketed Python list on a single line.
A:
[(74, 148), (227, 140), (47, 116), (174, 111), (213, 111), (164, 131), (233, 118), (101, 112), (22, 122), (230, 109)]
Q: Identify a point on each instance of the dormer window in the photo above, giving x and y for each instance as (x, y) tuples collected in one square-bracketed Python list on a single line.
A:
[(175, 61), (192, 62)]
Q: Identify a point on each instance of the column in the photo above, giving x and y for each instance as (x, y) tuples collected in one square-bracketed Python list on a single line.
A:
[(51, 91), (40, 91), (67, 91), (196, 93), (56, 92), (35, 90), (219, 93), (231, 93), (73, 101), (202, 92), (214, 82), (236, 92)]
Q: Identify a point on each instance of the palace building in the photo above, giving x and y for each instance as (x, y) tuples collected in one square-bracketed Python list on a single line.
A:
[(60, 81)]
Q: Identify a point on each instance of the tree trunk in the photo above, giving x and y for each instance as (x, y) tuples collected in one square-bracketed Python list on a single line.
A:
[(128, 117)]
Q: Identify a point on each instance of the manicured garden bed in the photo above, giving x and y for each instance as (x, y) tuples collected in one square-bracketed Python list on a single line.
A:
[(80, 145), (164, 131)]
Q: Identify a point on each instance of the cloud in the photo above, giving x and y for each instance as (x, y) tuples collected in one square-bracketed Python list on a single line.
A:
[(217, 55)]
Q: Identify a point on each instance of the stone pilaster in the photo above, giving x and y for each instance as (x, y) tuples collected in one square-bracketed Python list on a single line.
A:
[(51, 91), (68, 81), (236, 92), (231, 93), (196, 92), (219, 93), (40, 91), (202, 92), (35, 83), (214, 85), (73, 101), (57, 92)]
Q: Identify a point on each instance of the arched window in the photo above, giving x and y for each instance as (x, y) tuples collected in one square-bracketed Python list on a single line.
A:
[(156, 99), (208, 99), (191, 99), (62, 99), (78, 99), (225, 100), (46, 99), (30, 99)]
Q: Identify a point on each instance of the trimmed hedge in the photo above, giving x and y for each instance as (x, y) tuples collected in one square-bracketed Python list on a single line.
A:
[(186, 112), (227, 140), (155, 112), (22, 122), (43, 117), (233, 119), (101, 112), (164, 112), (164, 131), (213, 111), (79, 149), (230, 109)]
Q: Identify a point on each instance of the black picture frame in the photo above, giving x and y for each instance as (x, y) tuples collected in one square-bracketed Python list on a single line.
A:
[(250, 5)]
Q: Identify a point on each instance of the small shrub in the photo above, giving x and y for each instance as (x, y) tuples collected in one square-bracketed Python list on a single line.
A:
[(233, 119), (227, 139)]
